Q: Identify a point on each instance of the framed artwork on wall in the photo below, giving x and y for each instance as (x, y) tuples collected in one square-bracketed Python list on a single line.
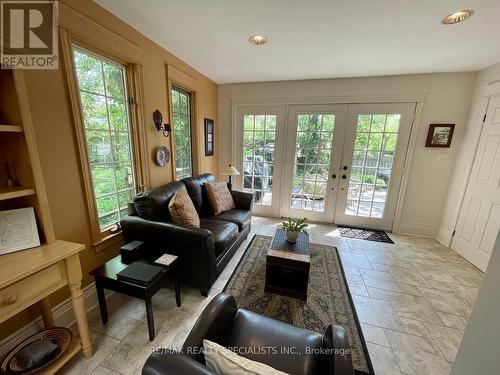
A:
[(18, 230), (440, 135), (209, 137)]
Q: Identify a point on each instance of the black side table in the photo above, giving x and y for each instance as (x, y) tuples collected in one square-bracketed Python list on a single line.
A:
[(105, 278)]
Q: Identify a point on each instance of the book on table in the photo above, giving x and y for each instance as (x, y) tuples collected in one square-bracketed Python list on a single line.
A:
[(140, 273)]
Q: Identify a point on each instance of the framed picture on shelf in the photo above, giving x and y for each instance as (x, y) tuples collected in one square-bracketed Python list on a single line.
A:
[(209, 137), (440, 135), (18, 230)]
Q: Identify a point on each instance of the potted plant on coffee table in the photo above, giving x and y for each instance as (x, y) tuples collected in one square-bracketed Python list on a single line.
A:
[(293, 228)]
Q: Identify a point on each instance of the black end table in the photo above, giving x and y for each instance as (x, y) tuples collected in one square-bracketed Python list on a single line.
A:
[(105, 278)]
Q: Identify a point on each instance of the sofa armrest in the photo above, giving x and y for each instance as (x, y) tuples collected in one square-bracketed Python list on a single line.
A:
[(341, 359), (242, 200), (213, 323), (169, 362)]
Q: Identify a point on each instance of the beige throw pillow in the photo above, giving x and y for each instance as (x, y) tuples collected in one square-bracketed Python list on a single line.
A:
[(182, 209), (225, 362), (219, 196)]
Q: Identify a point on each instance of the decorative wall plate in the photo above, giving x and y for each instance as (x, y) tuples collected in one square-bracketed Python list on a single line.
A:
[(162, 156)]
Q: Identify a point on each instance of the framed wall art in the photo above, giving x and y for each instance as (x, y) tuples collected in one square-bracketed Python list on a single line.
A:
[(18, 230), (440, 135), (209, 137)]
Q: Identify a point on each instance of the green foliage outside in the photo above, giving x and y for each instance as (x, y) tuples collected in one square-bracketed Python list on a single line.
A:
[(105, 115)]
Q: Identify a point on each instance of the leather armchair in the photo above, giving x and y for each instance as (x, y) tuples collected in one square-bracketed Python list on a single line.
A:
[(289, 349)]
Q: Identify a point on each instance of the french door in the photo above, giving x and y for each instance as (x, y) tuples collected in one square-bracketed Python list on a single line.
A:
[(333, 163), (258, 137), (376, 140), (313, 154)]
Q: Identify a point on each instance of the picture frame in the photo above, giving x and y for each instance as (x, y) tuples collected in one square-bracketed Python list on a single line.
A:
[(440, 135), (209, 137), (18, 230)]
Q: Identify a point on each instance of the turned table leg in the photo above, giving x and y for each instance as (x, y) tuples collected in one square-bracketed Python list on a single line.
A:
[(46, 312), (75, 278)]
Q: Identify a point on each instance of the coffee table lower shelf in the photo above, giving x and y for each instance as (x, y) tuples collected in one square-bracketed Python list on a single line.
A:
[(287, 278)]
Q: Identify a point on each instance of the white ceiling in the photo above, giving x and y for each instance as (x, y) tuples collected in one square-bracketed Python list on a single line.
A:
[(317, 38)]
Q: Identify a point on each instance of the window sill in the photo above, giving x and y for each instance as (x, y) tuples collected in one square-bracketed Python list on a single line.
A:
[(111, 240)]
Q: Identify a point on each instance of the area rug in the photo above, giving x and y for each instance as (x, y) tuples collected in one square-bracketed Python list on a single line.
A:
[(328, 297), (365, 234)]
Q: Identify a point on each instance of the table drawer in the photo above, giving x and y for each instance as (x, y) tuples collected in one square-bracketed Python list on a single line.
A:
[(25, 292)]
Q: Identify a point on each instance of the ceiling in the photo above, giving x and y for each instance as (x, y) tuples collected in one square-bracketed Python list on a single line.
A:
[(317, 38)]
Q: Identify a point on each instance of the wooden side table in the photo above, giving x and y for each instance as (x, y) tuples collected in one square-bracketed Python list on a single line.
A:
[(30, 276), (287, 266), (105, 278)]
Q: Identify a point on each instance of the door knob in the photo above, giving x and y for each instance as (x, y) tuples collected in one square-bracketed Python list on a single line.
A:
[(344, 167), (344, 176), (334, 176)]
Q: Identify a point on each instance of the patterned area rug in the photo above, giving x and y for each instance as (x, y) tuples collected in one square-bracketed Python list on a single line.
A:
[(328, 297), (365, 234)]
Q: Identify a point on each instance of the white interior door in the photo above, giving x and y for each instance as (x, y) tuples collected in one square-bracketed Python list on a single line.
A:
[(479, 219), (376, 141), (313, 153), (258, 140)]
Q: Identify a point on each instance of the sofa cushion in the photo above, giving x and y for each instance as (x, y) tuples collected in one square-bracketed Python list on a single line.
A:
[(194, 186), (241, 218), (225, 233), (219, 196), (153, 204), (253, 330), (182, 209)]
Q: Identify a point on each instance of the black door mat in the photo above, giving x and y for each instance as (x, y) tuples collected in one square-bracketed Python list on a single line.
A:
[(365, 234)]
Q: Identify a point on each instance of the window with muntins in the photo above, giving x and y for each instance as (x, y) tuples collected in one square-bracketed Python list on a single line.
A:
[(107, 129), (181, 111)]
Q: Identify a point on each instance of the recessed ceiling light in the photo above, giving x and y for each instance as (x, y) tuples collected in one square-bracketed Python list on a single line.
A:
[(457, 17), (258, 40)]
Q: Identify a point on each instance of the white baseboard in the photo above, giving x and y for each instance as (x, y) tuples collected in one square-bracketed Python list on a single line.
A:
[(418, 229), (444, 237), (63, 317)]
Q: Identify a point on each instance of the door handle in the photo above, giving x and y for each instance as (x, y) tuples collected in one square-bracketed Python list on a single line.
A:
[(334, 176), (344, 176), (344, 167)]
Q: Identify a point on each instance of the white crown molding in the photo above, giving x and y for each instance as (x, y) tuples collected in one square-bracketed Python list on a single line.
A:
[(337, 98)]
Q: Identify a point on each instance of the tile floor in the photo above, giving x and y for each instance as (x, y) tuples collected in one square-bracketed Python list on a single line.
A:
[(413, 300)]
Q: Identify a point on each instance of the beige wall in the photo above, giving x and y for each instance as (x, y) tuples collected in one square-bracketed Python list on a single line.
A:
[(447, 101), (54, 128), (478, 352), (465, 156)]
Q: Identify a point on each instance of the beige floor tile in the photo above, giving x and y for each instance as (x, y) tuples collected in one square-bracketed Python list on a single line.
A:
[(417, 355), (468, 294), (447, 339), (100, 370), (376, 312), (383, 360), (445, 302), (413, 307), (453, 321), (375, 335), (415, 327)]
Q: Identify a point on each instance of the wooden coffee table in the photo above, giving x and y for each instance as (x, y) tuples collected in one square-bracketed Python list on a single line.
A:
[(287, 266)]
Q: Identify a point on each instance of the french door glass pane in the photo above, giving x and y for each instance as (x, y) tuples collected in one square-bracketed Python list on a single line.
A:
[(312, 161), (259, 135), (374, 148)]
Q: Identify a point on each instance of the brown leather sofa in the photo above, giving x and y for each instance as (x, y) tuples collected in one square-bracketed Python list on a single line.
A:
[(225, 324), (203, 252)]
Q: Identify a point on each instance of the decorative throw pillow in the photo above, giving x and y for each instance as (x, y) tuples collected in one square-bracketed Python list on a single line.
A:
[(225, 362), (182, 209), (219, 196)]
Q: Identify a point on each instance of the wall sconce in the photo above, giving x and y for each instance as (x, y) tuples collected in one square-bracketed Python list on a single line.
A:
[(160, 126)]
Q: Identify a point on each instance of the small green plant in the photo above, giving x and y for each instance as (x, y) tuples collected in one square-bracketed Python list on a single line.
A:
[(298, 225)]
